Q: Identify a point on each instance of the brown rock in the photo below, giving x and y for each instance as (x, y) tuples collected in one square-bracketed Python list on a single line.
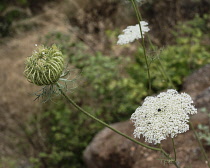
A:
[(197, 85), (198, 81), (110, 150)]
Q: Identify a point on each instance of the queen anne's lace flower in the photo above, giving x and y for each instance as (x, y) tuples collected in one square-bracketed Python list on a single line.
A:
[(162, 116), (132, 33)]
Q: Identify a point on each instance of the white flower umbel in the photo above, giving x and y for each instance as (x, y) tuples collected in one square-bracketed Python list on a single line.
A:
[(162, 116), (132, 33)]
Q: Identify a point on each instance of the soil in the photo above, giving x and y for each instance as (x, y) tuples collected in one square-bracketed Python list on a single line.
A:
[(16, 100)]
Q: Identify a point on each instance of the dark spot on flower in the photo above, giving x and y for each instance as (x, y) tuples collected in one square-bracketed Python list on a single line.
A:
[(159, 110)]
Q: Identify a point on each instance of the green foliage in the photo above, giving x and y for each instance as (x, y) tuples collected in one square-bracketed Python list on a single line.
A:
[(9, 11), (190, 52), (107, 90), (67, 132), (14, 10)]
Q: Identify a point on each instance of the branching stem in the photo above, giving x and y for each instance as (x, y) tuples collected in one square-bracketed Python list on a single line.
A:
[(113, 129), (138, 14)]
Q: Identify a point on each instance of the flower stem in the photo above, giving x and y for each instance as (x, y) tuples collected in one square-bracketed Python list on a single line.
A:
[(170, 159), (103, 123), (138, 15), (113, 129), (174, 148), (200, 144), (162, 70)]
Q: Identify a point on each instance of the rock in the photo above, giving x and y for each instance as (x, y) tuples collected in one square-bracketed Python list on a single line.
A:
[(202, 100), (197, 85), (197, 82), (110, 150), (199, 118)]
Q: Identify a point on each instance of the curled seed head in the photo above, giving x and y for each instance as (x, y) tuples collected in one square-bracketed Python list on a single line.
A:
[(45, 66)]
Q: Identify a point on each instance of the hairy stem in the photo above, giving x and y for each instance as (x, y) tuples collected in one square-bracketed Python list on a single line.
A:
[(162, 70), (174, 148), (138, 15), (168, 157)]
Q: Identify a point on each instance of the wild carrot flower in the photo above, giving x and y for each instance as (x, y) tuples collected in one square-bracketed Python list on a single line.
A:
[(163, 116), (45, 67), (132, 33)]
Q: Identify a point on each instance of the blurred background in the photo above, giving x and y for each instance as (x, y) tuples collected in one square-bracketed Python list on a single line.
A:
[(111, 79)]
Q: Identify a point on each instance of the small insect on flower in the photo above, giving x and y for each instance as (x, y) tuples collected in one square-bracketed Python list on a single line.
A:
[(132, 33), (163, 116)]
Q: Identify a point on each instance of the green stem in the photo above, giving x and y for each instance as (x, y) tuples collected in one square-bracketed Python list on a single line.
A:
[(174, 148), (138, 14), (161, 65), (200, 144), (191, 125), (139, 18), (173, 160), (113, 129), (103, 123)]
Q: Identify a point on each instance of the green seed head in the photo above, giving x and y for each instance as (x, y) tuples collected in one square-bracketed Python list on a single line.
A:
[(45, 66)]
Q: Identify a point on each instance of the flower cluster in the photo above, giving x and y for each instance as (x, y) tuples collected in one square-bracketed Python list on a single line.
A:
[(162, 116), (132, 33)]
